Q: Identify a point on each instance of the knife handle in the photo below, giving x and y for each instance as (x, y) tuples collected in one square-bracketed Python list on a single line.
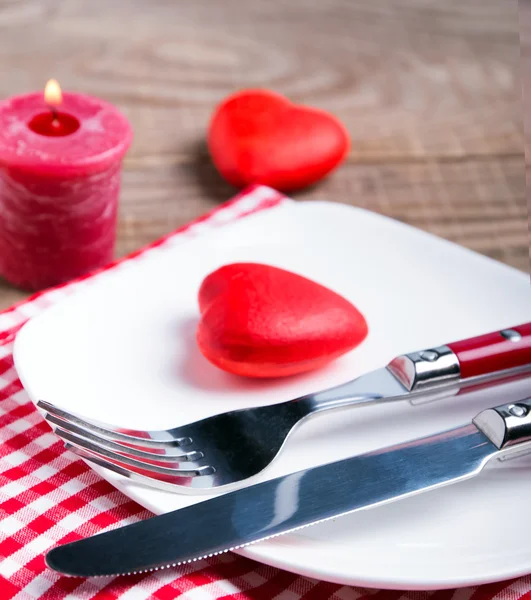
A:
[(507, 425), (496, 351)]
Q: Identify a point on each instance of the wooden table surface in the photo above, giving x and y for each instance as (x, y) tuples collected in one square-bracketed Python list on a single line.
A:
[(525, 74), (430, 91)]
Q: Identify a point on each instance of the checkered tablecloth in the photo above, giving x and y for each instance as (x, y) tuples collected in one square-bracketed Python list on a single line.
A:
[(49, 496)]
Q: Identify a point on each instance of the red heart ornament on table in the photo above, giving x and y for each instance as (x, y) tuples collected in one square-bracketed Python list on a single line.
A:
[(260, 137), (262, 321)]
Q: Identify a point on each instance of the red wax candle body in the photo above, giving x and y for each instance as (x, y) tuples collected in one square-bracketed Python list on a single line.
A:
[(59, 185)]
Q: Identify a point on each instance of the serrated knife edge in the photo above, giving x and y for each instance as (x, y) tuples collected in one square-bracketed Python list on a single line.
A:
[(306, 499)]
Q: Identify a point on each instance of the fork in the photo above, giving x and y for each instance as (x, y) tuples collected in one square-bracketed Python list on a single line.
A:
[(225, 449)]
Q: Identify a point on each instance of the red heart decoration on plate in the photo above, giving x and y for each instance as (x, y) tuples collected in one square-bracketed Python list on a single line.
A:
[(260, 137), (262, 321)]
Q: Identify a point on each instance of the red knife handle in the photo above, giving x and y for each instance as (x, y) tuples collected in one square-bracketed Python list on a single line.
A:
[(500, 350)]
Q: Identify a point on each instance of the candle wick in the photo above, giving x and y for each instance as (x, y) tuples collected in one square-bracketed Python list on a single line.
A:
[(55, 115)]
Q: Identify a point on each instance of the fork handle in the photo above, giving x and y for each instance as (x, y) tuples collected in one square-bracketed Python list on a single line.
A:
[(497, 351), (436, 372), (490, 356)]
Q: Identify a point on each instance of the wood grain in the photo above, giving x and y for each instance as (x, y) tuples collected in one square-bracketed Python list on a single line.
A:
[(430, 92), (525, 71)]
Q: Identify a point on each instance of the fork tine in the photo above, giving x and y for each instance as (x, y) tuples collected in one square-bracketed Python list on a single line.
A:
[(103, 453), (151, 439), (154, 480), (166, 456)]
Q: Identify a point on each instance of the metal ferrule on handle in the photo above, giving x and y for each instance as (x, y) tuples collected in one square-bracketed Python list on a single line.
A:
[(467, 362), (426, 369), (506, 426)]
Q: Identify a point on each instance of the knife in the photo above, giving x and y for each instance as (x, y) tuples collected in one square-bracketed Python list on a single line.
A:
[(300, 499)]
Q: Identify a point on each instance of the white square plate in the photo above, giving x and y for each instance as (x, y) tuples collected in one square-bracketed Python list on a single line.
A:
[(122, 350)]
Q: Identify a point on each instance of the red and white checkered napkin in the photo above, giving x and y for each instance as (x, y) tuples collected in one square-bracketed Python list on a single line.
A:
[(49, 496)]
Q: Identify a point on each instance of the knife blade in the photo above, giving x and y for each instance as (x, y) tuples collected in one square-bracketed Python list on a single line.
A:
[(301, 499)]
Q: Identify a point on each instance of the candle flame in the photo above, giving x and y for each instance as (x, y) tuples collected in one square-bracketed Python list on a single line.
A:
[(52, 93)]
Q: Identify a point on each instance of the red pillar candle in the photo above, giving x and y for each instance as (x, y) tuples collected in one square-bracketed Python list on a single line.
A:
[(60, 172)]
